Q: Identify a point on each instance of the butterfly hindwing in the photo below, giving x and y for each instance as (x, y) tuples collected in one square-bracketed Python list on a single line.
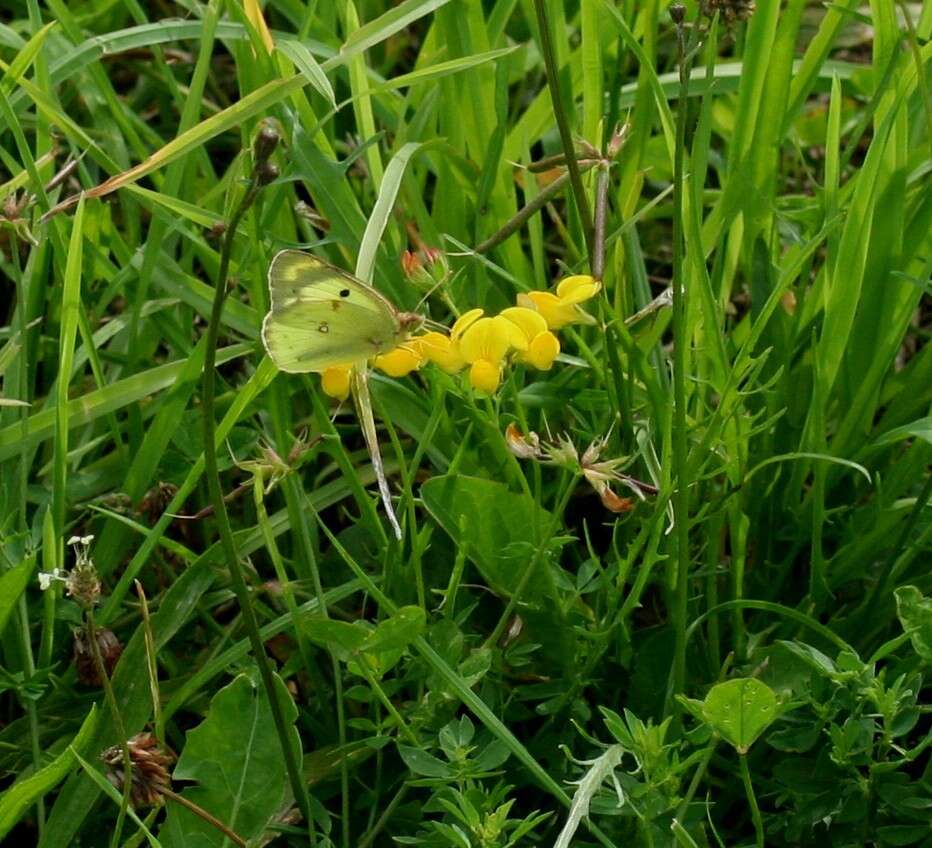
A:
[(321, 316)]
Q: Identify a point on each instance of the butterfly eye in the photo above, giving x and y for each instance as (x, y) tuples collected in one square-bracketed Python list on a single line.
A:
[(344, 292)]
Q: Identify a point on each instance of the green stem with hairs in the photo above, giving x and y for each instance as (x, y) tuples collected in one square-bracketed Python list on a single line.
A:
[(228, 544)]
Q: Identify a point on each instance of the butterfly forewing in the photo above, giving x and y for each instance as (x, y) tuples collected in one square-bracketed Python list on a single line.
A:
[(321, 316)]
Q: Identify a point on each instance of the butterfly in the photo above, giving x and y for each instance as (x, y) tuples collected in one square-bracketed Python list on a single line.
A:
[(321, 317)]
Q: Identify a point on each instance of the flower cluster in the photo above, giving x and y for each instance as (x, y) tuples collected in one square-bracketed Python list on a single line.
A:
[(484, 344), (599, 473), (81, 583)]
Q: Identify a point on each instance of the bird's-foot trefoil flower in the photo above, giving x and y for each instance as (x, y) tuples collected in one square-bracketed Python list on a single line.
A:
[(484, 344), (543, 346), (563, 307)]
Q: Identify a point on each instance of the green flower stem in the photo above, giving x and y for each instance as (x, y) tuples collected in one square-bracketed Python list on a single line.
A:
[(752, 800), (386, 701), (698, 774), (550, 63), (212, 473), (680, 364), (91, 632)]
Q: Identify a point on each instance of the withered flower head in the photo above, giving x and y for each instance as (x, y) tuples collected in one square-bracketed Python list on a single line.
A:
[(110, 651), (731, 11), (150, 769), (599, 473)]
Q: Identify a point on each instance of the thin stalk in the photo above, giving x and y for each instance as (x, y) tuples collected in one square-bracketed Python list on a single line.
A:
[(566, 136), (539, 201), (680, 343), (752, 800), (228, 543), (151, 665), (698, 774), (117, 722), (368, 838), (597, 265), (386, 701)]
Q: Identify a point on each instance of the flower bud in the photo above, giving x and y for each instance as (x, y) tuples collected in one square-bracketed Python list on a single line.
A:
[(425, 268), (110, 651), (266, 173), (678, 13), (264, 146)]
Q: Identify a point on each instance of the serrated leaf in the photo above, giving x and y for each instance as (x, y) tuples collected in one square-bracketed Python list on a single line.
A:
[(235, 757)]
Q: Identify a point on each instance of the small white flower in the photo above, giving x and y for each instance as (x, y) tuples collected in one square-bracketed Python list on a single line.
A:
[(46, 578)]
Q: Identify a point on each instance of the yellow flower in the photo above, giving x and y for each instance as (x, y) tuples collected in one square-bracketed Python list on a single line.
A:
[(335, 381), (563, 307), (401, 361), (442, 350), (463, 323), (485, 376), (484, 343), (542, 345)]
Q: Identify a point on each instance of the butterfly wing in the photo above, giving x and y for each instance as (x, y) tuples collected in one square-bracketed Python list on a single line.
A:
[(321, 316)]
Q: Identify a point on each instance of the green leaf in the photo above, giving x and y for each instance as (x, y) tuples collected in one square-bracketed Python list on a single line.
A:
[(382, 645), (920, 429), (306, 63), (12, 584), (388, 24), (424, 764), (915, 613), (495, 526), (388, 191), (740, 710), (340, 637), (397, 631), (236, 759), (21, 795)]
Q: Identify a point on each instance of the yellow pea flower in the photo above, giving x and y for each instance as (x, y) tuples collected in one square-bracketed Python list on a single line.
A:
[(542, 345), (464, 322), (401, 361), (335, 381), (442, 350), (563, 307), (484, 343)]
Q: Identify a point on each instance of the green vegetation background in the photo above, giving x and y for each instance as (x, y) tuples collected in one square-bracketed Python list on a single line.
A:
[(752, 675)]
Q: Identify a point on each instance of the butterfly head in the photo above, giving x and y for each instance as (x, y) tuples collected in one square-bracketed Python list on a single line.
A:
[(409, 322)]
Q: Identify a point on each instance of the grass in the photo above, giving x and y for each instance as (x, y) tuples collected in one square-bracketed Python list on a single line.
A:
[(736, 653)]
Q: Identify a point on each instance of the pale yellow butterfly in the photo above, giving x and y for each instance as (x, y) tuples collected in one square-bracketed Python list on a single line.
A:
[(321, 317)]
